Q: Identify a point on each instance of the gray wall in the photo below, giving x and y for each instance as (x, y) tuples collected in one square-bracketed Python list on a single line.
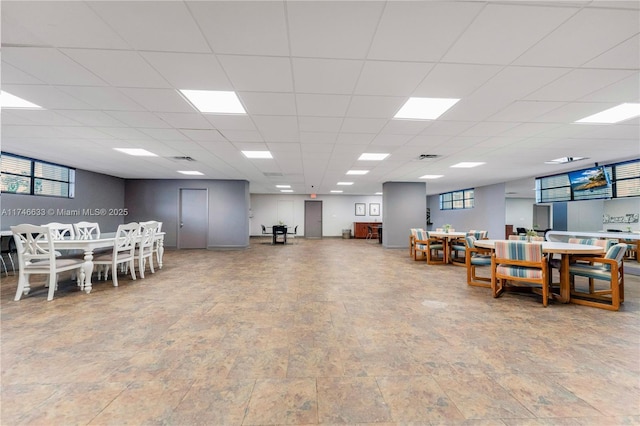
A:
[(488, 213), (405, 207), (156, 199), (94, 192)]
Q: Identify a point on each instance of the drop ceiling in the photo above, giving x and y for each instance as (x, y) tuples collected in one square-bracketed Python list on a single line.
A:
[(321, 82)]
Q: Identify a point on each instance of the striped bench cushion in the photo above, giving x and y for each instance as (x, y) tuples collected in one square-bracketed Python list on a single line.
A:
[(519, 250)]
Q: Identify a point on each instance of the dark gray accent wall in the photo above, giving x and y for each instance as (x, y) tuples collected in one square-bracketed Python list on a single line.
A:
[(155, 199), (560, 222), (487, 214), (98, 198), (405, 207)]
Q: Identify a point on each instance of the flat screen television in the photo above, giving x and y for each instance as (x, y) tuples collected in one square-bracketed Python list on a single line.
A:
[(589, 184)]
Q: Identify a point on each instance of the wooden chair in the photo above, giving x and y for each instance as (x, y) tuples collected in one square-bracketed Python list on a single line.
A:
[(144, 247), (522, 262), (412, 240), (525, 238), (87, 230), (428, 248), (458, 246), (36, 255), (608, 268), (123, 252), (474, 257)]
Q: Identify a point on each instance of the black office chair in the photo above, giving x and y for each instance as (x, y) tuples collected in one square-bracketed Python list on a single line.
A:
[(292, 233), (265, 233), (521, 231)]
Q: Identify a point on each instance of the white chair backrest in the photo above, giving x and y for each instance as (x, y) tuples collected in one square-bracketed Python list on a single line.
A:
[(33, 243), (87, 230), (147, 234), (61, 231), (126, 238)]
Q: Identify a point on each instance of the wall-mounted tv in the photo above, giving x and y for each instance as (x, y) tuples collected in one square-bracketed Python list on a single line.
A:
[(591, 183)]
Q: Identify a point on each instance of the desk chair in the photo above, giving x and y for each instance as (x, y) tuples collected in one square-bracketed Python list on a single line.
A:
[(293, 233), (265, 233)]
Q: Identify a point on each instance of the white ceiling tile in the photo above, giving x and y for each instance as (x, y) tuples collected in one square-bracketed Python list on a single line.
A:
[(391, 78), (328, 76), (124, 133), (626, 55), (159, 100), (189, 71), (420, 31), (375, 106), (355, 138), (60, 24), (406, 127), (118, 68), (91, 118), (449, 128), (277, 128), (525, 110), (319, 124), (322, 105), (230, 121), (242, 135), (363, 125), (503, 32), (268, 103), (578, 84), (274, 75), (627, 90), (41, 117), (139, 119), (153, 25), (585, 36), (12, 75), (203, 135), (48, 97), (185, 121), (488, 129), (165, 134), (455, 80), (102, 98), (322, 29), (324, 138), (244, 27), (389, 139)]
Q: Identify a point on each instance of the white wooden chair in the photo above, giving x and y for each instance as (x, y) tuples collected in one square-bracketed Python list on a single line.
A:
[(123, 252), (36, 255), (144, 247), (158, 243), (87, 230)]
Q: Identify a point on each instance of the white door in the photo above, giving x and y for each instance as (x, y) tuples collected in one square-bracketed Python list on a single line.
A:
[(194, 219)]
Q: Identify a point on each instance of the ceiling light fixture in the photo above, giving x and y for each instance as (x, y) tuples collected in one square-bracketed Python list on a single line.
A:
[(283, 186), (215, 102), (345, 183), (257, 154), (431, 176), (336, 191), (286, 190), (425, 108), (136, 151), (9, 101), (357, 172), (564, 160), (372, 156), (616, 114), (468, 164), (191, 172)]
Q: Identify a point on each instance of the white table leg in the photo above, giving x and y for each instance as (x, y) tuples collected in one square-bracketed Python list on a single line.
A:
[(160, 252), (88, 270)]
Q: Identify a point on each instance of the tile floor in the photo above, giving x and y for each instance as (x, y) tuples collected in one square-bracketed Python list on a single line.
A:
[(321, 331)]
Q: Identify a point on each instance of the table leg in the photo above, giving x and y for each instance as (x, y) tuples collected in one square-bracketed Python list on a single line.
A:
[(88, 270), (565, 285), (160, 252)]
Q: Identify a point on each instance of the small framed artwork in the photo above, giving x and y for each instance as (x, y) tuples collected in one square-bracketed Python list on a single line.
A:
[(374, 209), (361, 209)]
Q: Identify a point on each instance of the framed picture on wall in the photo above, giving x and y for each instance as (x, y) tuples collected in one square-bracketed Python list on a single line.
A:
[(361, 209), (374, 209)]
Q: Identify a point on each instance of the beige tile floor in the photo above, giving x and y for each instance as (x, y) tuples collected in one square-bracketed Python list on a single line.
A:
[(321, 331)]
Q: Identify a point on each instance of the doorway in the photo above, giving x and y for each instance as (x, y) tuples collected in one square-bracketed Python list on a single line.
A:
[(313, 219), (193, 219)]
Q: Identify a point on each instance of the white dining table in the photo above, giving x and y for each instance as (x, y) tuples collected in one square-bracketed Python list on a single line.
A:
[(554, 247)]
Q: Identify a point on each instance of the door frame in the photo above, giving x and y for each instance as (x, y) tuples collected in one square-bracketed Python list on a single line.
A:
[(179, 214), (306, 234)]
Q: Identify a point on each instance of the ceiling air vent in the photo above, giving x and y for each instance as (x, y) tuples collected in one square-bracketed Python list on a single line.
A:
[(426, 156), (183, 158)]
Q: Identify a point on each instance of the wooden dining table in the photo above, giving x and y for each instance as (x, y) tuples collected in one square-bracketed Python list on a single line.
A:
[(565, 250), (446, 238)]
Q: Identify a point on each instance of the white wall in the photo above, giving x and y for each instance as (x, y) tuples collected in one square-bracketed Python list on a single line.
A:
[(338, 212), (621, 207), (519, 212)]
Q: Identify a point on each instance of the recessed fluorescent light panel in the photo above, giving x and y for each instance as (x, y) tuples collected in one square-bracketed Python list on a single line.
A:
[(336, 191), (286, 190), (425, 108), (431, 176), (564, 160), (283, 186), (345, 183), (257, 154), (378, 193), (190, 172), (616, 114), (215, 102), (357, 172), (372, 157), (136, 151), (7, 100), (467, 164)]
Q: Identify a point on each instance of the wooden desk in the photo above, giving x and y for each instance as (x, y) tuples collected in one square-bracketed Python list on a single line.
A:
[(565, 250), (361, 229)]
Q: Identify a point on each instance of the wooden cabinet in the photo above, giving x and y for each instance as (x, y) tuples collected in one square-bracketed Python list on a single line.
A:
[(361, 229)]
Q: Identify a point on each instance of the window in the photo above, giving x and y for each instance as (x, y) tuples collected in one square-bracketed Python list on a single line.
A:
[(625, 182), (22, 175), (457, 200)]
